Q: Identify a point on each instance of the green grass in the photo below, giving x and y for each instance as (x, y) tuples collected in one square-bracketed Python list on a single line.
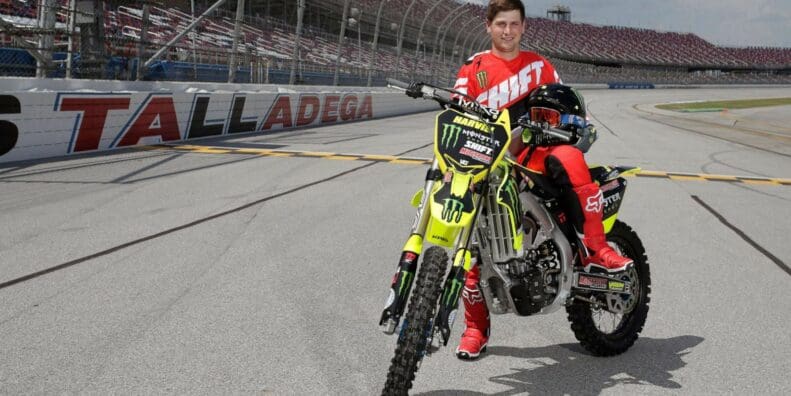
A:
[(725, 104)]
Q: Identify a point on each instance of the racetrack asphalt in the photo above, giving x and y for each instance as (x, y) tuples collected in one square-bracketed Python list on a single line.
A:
[(155, 271)]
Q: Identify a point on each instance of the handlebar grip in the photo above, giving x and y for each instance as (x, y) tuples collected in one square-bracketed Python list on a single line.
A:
[(398, 84), (559, 134)]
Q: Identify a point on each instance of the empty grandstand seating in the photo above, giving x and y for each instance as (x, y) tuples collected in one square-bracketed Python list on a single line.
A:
[(639, 54)]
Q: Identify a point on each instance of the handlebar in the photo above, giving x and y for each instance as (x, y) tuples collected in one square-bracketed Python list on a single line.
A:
[(392, 82), (428, 91), (545, 135)]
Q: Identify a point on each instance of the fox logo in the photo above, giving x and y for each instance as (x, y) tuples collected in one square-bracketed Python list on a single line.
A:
[(473, 296), (595, 203)]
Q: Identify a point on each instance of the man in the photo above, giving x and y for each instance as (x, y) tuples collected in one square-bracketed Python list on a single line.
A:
[(502, 78)]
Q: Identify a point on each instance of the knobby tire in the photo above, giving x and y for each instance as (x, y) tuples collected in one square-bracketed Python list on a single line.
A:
[(422, 305), (623, 337)]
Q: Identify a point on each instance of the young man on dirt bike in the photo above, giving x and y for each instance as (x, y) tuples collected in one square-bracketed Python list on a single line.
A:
[(502, 78)]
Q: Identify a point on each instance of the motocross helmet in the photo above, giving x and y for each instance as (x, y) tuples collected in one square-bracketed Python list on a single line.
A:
[(558, 105)]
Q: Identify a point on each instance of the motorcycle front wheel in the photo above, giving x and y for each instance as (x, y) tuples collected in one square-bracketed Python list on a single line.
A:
[(604, 333), (417, 327)]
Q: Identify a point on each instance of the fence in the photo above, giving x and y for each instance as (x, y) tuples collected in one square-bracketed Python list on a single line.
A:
[(342, 42)]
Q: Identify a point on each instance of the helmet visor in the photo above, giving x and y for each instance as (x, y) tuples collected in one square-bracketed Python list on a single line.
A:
[(545, 115)]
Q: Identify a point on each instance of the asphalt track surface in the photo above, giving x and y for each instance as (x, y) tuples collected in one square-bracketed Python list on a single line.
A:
[(216, 272)]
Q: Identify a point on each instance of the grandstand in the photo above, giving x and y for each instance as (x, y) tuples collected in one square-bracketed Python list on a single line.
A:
[(582, 53)]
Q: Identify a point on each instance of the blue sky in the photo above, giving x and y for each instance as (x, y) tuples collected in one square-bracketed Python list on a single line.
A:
[(722, 22)]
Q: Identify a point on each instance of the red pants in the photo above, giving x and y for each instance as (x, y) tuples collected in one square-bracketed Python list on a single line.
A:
[(565, 164)]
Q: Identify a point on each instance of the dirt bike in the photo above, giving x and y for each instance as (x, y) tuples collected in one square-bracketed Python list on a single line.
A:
[(493, 212)]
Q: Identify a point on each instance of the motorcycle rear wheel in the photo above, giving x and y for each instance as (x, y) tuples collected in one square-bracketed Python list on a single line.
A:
[(413, 341), (624, 333)]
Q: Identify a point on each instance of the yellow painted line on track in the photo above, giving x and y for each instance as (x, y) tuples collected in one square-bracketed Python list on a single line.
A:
[(760, 182), (686, 178), (409, 161), (652, 174), (212, 151), (677, 176), (720, 178), (379, 157), (343, 157), (251, 151), (316, 154)]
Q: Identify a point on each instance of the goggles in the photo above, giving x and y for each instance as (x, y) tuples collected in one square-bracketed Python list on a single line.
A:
[(554, 119)]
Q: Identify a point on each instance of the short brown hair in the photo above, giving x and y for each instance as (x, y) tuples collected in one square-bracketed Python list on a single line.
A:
[(496, 6)]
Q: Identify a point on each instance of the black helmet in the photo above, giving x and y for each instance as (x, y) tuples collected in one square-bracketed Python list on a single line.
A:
[(558, 105)]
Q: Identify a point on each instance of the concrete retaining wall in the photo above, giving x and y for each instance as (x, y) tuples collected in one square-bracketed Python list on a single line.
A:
[(50, 118)]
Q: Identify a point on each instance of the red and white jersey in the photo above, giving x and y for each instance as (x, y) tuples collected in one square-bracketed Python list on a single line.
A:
[(498, 83)]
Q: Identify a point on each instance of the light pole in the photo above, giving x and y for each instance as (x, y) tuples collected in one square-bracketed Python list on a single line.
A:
[(455, 40), (420, 34), (358, 14), (400, 39), (341, 36), (192, 36), (300, 14), (464, 46), (479, 44), (376, 37), (237, 31), (455, 14)]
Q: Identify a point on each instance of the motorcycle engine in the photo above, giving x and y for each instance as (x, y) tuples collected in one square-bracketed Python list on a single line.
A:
[(535, 278)]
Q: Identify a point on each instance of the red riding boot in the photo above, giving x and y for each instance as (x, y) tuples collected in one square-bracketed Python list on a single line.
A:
[(476, 318), (602, 257)]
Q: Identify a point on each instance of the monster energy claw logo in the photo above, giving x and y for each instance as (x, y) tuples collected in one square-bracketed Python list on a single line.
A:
[(482, 80), (450, 133), (513, 196), (406, 279), (452, 210), (452, 294)]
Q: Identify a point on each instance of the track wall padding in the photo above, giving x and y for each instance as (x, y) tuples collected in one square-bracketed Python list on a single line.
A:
[(52, 118)]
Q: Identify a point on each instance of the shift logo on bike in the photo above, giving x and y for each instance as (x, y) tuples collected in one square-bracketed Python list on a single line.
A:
[(452, 210), (450, 133)]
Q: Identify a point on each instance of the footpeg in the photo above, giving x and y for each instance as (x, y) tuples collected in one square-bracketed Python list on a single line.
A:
[(389, 326)]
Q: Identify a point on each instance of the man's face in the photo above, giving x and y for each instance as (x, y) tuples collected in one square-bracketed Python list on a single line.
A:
[(506, 30)]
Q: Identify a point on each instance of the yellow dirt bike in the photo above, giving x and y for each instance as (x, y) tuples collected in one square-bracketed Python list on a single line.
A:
[(494, 213)]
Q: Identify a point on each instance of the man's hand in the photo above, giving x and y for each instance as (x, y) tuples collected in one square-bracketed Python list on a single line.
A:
[(587, 136), (415, 90)]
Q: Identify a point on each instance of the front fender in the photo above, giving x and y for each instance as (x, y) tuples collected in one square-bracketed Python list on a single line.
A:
[(452, 208)]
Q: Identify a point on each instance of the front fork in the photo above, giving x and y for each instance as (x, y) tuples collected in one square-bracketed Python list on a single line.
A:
[(454, 283), (407, 264), (463, 262)]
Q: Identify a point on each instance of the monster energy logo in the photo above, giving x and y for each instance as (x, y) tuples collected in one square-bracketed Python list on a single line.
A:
[(452, 210), (406, 279), (482, 80), (513, 196), (450, 133), (453, 293)]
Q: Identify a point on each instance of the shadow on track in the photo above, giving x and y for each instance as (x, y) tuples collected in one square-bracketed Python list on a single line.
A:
[(574, 371)]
